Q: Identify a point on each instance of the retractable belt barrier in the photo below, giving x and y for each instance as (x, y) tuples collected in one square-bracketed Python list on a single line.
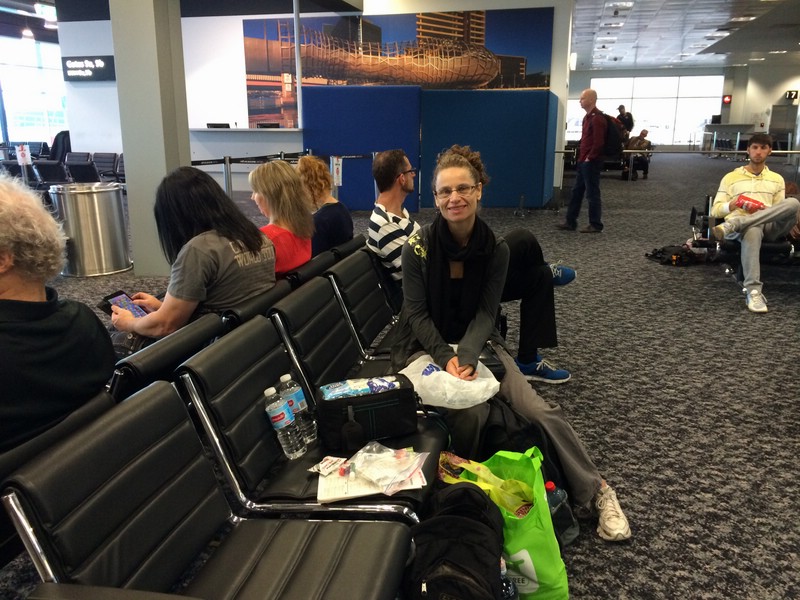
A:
[(291, 157)]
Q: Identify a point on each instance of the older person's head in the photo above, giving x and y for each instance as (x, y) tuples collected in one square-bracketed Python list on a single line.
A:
[(32, 244)]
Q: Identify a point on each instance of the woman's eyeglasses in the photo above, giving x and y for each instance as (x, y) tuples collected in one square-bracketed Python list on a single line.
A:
[(445, 192)]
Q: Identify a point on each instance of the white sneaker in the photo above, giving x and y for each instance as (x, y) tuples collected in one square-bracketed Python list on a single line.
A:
[(756, 301), (722, 230), (612, 525)]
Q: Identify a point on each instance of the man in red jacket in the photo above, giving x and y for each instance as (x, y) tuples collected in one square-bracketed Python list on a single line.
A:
[(589, 166)]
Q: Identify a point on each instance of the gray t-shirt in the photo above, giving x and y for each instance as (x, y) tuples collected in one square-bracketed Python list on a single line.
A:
[(219, 274)]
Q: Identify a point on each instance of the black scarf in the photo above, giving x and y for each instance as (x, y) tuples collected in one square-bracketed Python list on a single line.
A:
[(476, 256)]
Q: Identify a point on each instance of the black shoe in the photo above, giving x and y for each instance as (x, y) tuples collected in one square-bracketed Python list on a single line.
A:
[(591, 229), (634, 177), (565, 227), (644, 175)]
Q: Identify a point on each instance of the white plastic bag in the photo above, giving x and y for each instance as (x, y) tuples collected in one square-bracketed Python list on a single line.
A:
[(438, 388)]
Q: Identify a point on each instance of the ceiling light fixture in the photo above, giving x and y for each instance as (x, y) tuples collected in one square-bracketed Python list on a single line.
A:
[(742, 19), (27, 33)]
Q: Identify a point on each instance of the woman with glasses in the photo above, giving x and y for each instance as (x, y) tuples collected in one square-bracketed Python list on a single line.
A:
[(454, 271), (280, 196)]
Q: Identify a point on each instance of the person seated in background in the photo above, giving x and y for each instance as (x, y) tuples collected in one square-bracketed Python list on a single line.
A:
[(218, 257), (641, 160), (753, 201), (454, 271), (281, 197), (333, 224), (390, 224), (56, 354)]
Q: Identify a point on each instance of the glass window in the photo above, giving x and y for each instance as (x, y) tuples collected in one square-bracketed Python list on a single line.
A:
[(673, 109), (33, 90)]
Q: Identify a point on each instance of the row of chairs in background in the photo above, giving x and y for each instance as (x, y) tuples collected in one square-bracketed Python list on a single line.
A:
[(78, 167), (217, 368)]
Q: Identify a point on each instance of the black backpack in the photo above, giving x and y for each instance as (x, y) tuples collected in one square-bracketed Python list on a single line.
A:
[(457, 548), (506, 429), (612, 145)]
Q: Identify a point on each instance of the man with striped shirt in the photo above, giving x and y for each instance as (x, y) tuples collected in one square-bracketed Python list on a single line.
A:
[(390, 224)]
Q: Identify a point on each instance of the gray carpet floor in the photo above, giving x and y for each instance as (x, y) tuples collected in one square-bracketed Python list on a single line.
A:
[(687, 401)]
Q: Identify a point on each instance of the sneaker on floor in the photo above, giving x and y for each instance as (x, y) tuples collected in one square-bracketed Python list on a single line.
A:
[(723, 229), (612, 525), (565, 226), (562, 275), (541, 370), (591, 229), (756, 301)]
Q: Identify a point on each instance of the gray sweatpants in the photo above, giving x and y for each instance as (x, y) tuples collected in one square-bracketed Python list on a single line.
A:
[(467, 424), (769, 224)]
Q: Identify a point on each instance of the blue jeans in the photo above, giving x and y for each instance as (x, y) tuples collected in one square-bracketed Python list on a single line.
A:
[(587, 182)]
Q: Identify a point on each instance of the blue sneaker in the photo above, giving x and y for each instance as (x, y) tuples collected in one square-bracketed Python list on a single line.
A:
[(543, 371), (562, 275)]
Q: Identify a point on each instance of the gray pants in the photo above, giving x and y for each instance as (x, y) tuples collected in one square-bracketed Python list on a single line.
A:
[(466, 426), (581, 473), (769, 224)]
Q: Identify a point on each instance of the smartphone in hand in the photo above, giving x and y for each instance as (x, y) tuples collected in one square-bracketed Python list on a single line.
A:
[(123, 300)]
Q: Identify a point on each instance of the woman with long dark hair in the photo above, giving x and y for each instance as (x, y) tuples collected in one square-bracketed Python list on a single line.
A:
[(453, 275), (218, 256)]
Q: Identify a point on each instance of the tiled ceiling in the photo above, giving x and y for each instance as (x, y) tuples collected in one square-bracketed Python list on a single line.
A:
[(638, 34)]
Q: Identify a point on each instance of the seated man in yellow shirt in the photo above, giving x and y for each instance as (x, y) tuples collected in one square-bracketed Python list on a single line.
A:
[(752, 201)]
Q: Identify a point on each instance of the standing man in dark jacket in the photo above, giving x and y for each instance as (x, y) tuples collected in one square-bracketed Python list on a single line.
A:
[(625, 118), (590, 163)]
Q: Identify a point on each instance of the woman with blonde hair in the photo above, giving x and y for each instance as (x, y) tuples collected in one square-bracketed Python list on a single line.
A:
[(280, 196), (333, 224)]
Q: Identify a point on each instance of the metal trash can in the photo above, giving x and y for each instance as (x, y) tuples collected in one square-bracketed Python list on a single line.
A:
[(94, 222)]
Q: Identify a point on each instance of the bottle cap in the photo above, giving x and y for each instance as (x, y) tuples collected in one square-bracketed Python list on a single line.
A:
[(286, 377), (549, 486), (270, 391)]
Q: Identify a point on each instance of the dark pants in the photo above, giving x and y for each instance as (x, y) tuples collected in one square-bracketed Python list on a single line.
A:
[(587, 182), (530, 280)]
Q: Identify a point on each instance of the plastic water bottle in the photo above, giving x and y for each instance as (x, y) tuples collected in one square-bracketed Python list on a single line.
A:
[(293, 394), (508, 588), (282, 419), (564, 523)]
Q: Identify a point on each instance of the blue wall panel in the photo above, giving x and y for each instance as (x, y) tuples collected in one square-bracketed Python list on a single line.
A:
[(514, 130), (346, 120)]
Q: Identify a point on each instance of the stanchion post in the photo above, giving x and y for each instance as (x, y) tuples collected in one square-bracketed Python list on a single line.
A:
[(226, 170)]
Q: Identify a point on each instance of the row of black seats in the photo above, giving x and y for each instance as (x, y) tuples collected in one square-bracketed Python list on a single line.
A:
[(130, 501), (78, 167)]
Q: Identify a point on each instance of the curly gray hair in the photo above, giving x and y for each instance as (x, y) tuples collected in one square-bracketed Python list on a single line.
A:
[(28, 232)]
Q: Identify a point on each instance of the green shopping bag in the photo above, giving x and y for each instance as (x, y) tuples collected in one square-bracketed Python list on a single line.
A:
[(514, 482)]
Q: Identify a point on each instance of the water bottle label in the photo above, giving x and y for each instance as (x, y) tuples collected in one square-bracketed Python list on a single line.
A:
[(297, 400), (281, 416)]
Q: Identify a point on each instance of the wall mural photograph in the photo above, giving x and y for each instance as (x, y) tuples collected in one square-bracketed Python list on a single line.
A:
[(493, 49)]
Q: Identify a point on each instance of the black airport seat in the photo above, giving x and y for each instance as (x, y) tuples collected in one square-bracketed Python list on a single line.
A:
[(314, 267), (347, 248), (160, 359), (131, 502), (257, 305), (358, 290), (224, 384), (11, 460)]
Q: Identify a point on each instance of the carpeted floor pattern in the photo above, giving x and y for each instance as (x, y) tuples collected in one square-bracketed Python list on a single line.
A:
[(686, 400)]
